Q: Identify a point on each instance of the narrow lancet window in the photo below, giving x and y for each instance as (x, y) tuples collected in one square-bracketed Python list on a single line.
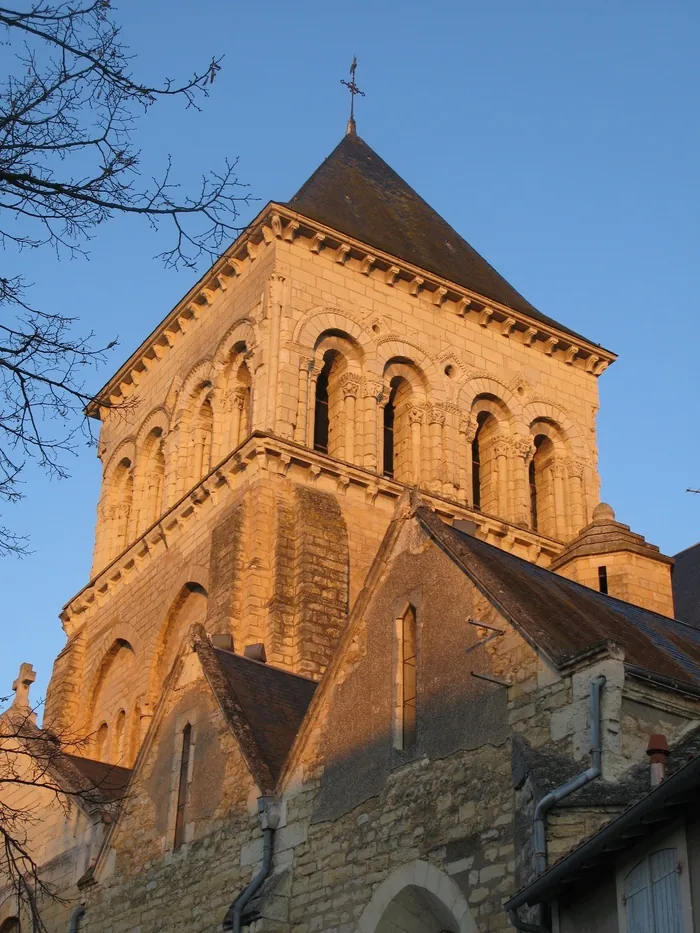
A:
[(476, 473), (183, 787), (408, 681), (603, 579)]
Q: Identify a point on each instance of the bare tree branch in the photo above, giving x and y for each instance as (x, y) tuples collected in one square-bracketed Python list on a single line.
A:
[(69, 107)]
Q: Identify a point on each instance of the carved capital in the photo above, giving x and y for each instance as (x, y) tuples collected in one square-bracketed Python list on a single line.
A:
[(436, 415), (306, 363), (575, 468), (415, 416), (373, 389), (523, 447), (501, 447), (558, 467), (350, 384)]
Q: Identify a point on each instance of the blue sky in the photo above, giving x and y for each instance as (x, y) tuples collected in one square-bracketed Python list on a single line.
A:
[(561, 139)]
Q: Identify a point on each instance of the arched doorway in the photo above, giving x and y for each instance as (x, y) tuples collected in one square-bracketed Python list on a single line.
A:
[(419, 898)]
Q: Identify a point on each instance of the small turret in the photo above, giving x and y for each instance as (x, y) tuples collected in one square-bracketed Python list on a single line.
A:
[(607, 556)]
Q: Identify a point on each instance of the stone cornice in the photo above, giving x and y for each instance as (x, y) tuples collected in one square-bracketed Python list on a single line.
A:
[(278, 222), (263, 451)]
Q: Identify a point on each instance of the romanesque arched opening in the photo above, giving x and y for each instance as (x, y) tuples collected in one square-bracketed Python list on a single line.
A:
[(417, 898), (190, 606)]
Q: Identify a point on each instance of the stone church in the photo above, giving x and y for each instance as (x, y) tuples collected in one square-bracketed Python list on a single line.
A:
[(355, 610)]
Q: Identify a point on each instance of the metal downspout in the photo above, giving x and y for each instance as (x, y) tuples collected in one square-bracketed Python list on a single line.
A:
[(268, 822), (585, 777), (539, 825), (75, 918)]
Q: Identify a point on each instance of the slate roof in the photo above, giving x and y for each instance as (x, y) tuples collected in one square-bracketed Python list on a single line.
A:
[(566, 619), (686, 585), (357, 193), (273, 702), (111, 780)]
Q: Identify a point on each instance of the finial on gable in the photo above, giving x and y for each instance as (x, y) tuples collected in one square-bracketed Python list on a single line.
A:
[(25, 679), (351, 129)]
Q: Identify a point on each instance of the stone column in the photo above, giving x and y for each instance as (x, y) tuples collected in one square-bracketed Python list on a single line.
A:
[(575, 470), (558, 468), (436, 423), (501, 448), (350, 386), (415, 419), (300, 429), (314, 373), (276, 286), (372, 392), (523, 451), (451, 454), (467, 433)]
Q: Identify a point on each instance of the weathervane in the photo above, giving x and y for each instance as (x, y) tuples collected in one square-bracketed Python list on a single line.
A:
[(354, 89)]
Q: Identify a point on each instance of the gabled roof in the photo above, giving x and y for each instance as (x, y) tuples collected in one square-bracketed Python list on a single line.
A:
[(264, 705), (273, 701), (357, 193), (565, 619), (686, 585)]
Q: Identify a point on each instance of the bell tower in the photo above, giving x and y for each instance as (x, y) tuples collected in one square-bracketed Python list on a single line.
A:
[(349, 344)]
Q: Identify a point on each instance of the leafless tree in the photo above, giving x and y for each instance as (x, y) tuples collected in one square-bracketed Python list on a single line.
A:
[(69, 108), (38, 772)]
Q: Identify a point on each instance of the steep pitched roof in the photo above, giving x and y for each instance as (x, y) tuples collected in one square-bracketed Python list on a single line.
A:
[(357, 193), (564, 618), (686, 585), (273, 701)]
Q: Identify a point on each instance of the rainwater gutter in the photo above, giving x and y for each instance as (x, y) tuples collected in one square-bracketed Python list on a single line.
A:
[(269, 819), (75, 918), (539, 824)]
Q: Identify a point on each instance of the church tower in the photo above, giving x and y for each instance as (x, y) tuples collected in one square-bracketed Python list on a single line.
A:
[(348, 345)]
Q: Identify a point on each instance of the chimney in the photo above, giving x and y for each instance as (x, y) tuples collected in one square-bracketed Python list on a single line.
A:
[(658, 753)]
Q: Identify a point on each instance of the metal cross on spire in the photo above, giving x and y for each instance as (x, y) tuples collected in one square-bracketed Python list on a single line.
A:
[(354, 89)]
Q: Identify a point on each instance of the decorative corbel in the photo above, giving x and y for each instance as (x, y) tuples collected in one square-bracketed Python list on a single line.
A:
[(462, 306), (317, 242), (267, 233), (529, 336), (236, 265), (207, 294), (550, 345), (601, 367), (276, 224), (391, 275), (290, 231), (342, 253), (507, 326), (439, 295), (485, 316), (252, 250), (571, 355), (592, 362), (415, 284), (367, 264), (222, 281)]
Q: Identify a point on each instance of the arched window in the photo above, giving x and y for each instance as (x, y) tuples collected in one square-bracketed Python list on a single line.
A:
[(476, 472), (652, 894), (329, 406), (401, 448), (542, 512), (101, 742), (183, 787), (11, 925), (242, 402), (119, 737), (406, 680)]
